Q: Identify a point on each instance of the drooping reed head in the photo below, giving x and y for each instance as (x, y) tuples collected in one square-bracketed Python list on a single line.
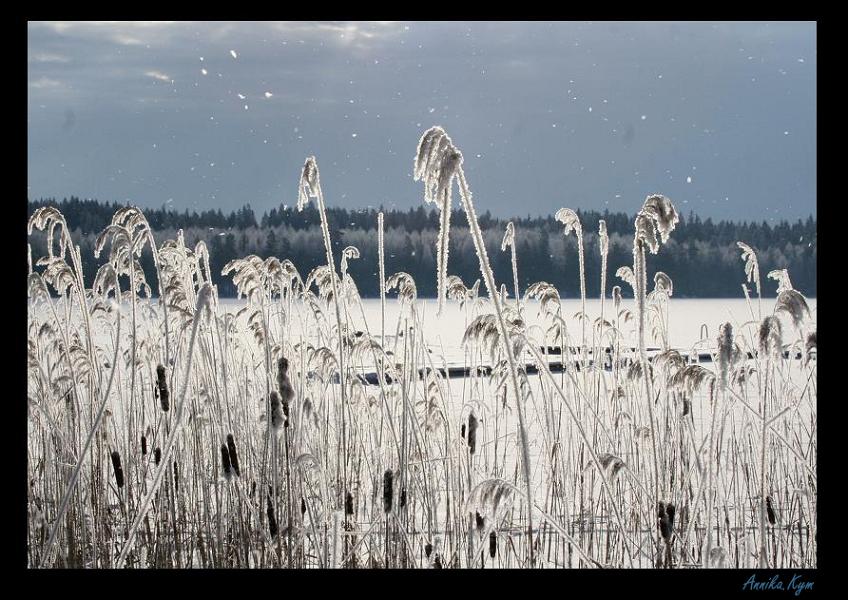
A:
[(661, 211), (781, 276), (570, 220), (663, 283), (616, 296), (793, 304), (752, 267), (437, 161)]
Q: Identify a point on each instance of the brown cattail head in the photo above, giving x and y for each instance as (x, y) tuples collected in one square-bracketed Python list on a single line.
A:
[(462, 431), (493, 544), (302, 506), (770, 510), (437, 562), (119, 471), (663, 521), (388, 478), (428, 549), (176, 476), (157, 455), (403, 497), (481, 522), (162, 383), (670, 510), (277, 418), (472, 433), (231, 448), (349, 504), (272, 520), (226, 465), (143, 445), (285, 387)]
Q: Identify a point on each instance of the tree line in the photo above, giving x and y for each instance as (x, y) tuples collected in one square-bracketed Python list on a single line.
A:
[(701, 257)]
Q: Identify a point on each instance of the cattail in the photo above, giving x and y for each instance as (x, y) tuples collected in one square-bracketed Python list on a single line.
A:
[(771, 337), (302, 506), (277, 417), (428, 549), (252, 488), (349, 504), (272, 521), (157, 455), (811, 346), (670, 510), (403, 497), (493, 544), (226, 465), (231, 447), (144, 445), (437, 562), (285, 386), (176, 477), (664, 524), (770, 510), (162, 382), (387, 491), (472, 432), (481, 522), (119, 471), (462, 431)]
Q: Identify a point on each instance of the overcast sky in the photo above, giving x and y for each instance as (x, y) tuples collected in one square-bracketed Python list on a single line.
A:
[(720, 117)]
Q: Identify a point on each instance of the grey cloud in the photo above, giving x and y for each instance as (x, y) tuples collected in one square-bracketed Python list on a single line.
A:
[(516, 94)]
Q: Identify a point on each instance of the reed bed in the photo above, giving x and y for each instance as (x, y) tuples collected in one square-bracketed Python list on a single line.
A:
[(290, 432)]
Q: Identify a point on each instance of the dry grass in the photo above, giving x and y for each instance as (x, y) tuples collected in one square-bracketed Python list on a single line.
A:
[(174, 433)]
